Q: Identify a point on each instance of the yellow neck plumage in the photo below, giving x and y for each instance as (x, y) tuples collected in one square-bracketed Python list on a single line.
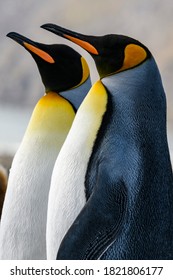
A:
[(52, 115)]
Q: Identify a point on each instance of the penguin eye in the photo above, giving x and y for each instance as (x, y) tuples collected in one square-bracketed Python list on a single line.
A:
[(133, 56), (45, 56)]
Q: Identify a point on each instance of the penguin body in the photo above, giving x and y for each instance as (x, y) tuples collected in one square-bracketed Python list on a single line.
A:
[(23, 223), (138, 162), (129, 180), (65, 196), (25, 207)]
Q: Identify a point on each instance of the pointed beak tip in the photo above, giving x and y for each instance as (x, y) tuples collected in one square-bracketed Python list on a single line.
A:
[(20, 39), (53, 28), (43, 25), (47, 26), (10, 34), (13, 36)]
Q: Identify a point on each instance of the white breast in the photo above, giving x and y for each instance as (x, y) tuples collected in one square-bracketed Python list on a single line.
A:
[(24, 215), (25, 208), (67, 192)]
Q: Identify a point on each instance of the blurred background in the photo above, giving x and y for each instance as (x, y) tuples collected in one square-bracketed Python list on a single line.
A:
[(151, 22)]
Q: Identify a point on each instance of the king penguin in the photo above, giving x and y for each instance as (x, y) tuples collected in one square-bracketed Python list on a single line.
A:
[(23, 223), (128, 180)]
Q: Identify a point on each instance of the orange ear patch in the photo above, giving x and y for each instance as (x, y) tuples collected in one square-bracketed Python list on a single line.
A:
[(85, 45), (86, 71), (45, 56), (134, 55)]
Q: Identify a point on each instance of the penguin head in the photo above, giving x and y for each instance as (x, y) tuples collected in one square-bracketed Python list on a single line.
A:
[(112, 53), (61, 67)]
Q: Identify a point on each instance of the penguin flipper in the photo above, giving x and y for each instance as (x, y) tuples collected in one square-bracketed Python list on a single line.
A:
[(97, 225)]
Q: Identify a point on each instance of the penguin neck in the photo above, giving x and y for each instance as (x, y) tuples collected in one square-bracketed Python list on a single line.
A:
[(137, 98), (77, 94), (51, 120)]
